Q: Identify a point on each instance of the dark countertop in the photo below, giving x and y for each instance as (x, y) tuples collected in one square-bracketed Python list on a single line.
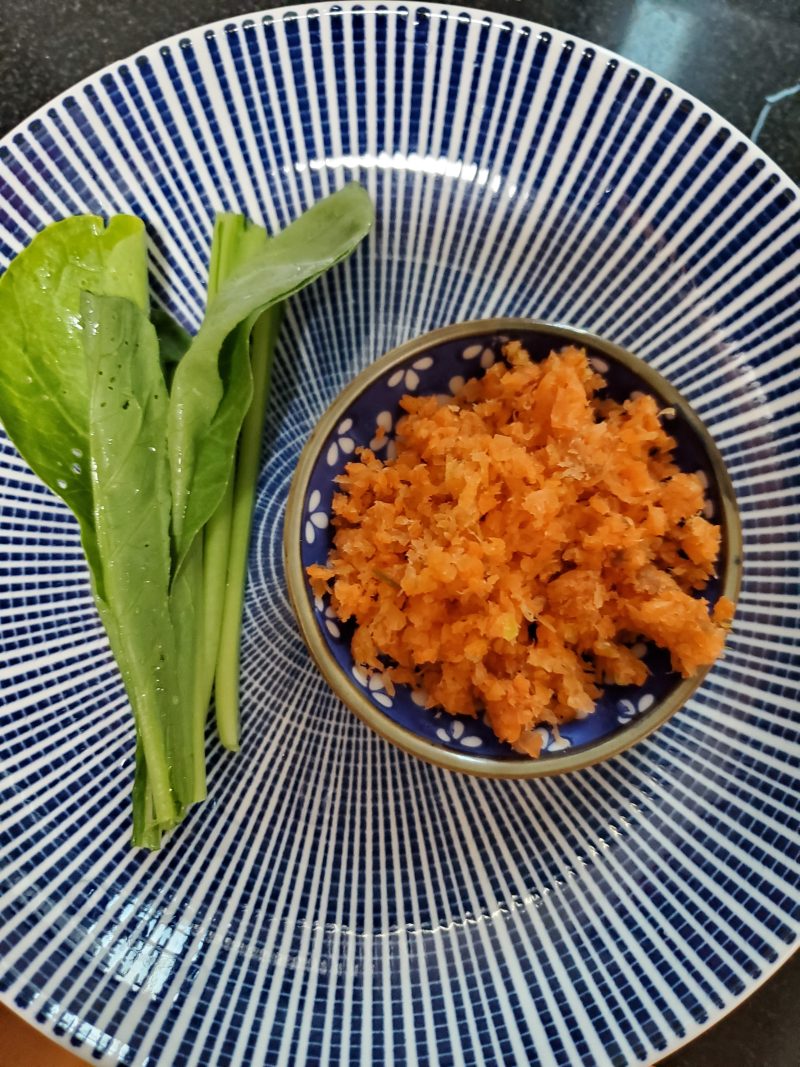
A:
[(740, 57)]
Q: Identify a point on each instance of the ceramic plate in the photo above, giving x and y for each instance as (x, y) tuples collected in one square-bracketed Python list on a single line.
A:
[(336, 900)]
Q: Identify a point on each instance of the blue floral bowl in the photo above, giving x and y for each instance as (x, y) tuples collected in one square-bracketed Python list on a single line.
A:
[(438, 363)]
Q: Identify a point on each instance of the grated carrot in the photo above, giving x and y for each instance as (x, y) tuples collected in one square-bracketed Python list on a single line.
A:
[(526, 537)]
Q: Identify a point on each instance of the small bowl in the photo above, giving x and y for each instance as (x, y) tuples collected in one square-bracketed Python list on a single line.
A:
[(437, 363)]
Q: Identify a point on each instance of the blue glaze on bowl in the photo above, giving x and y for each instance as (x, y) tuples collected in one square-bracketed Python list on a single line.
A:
[(441, 369)]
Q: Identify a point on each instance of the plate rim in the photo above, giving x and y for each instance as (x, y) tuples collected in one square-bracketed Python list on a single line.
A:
[(83, 1054), (345, 8)]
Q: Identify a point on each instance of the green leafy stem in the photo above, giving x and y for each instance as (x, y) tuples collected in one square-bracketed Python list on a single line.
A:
[(153, 439)]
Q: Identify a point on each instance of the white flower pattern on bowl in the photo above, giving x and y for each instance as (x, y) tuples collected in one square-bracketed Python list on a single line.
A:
[(410, 377), (384, 422), (375, 684), (482, 352), (317, 520), (551, 739), (628, 710), (331, 624), (456, 731), (343, 443)]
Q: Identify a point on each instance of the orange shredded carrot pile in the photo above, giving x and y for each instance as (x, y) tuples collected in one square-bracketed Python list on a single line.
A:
[(526, 536)]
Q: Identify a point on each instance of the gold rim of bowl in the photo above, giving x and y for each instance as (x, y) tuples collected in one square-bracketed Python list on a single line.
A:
[(347, 690)]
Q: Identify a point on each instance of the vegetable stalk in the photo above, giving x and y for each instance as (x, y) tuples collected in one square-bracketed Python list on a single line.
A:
[(226, 690), (234, 242)]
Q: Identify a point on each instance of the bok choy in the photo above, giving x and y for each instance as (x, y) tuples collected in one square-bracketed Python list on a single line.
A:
[(153, 439)]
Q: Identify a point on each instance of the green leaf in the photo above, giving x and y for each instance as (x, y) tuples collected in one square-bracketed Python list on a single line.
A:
[(234, 242), (153, 630), (43, 388), (128, 406), (202, 428)]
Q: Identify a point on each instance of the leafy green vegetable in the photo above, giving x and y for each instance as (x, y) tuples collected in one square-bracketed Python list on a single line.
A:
[(136, 426), (205, 417), (43, 388), (265, 335), (235, 242), (128, 404)]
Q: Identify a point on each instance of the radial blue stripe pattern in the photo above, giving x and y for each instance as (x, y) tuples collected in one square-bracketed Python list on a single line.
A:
[(335, 901)]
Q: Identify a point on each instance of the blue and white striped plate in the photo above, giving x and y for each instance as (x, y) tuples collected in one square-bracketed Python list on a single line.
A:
[(334, 900)]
